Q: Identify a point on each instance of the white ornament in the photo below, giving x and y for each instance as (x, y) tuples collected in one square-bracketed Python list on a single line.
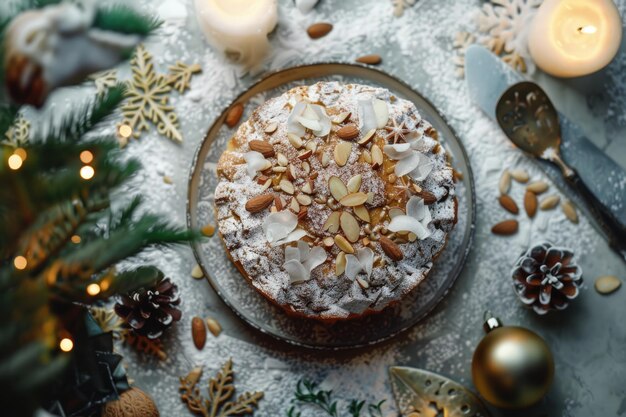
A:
[(300, 261)]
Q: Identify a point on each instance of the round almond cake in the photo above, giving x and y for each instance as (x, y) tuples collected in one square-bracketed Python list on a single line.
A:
[(335, 199)]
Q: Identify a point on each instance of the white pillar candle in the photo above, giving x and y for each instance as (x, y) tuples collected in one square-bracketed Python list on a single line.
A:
[(572, 38), (238, 28)]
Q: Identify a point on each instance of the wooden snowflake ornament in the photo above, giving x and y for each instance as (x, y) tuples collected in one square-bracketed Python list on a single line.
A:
[(180, 75)]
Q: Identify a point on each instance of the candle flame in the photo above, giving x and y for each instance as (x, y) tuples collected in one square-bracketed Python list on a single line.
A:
[(588, 30)]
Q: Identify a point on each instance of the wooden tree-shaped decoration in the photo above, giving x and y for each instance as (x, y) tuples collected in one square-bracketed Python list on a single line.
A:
[(220, 390)]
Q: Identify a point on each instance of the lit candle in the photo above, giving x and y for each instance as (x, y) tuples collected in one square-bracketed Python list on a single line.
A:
[(572, 38), (239, 28)]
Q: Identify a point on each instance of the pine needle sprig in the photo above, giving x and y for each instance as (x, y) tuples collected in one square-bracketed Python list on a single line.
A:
[(122, 19)]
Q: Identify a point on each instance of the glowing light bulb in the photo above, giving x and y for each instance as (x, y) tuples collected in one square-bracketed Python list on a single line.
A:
[(15, 162), (87, 172), (86, 157), (588, 30), (20, 262), (75, 239), (125, 131), (21, 152), (66, 344), (93, 289)]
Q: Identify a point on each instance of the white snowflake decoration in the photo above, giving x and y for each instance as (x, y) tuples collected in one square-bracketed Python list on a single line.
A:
[(502, 26)]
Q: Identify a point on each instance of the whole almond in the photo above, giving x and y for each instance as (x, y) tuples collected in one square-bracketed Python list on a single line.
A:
[(234, 115), (530, 203), (505, 182), (343, 244), (342, 152), (262, 147), (196, 272), (353, 199), (428, 197), (350, 226), (259, 203), (549, 202), (391, 248), (507, 227), (198, 332), (537, 187), (318, 30), (607, 284), (570, 211), (214, 327), (372, 59), (348, 132), (508, 203), (519, 175)]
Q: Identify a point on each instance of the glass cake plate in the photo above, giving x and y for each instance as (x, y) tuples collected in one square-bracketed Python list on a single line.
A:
[(251, 306)]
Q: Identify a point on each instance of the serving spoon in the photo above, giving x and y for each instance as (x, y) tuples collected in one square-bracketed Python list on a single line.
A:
[(530, 121)]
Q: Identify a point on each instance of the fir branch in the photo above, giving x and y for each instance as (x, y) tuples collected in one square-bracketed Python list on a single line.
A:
[(319, 398), (375, 410), (354, 408), (122, 19)]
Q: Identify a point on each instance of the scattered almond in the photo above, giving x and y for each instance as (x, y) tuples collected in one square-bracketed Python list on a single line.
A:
[(259, 203), (343, 244), (304, 199), (278, 202), (354, 184), (341, 117), (328, 241), (342, 152), (295, 140), (271, 127), (196, 272), (377, 157), (530, 203), (214, 327), (337, 188), (294, 205), (362, 283), (537, 187), (307, 187), (305, 155), (198, 332), (291, 172), (167, 179), (286, 186), (319, 30), (519, 175), (508, 203), (234, 115), (353, 199), (507, 227), (372, 59), (570, 211), (303, 213), (340, 263), (367, 156), (505, 182), (348, 132), (350, 226), (208, 230), (282, 160), (262, 147), (362, 213), (391, 248), (367, 138), (325, 159), (428, 197), (549, 202), (279, 169), (607, 284), (332, 223)]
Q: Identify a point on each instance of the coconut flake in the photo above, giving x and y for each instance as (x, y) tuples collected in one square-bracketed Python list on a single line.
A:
[(279, 226), (255, 161), (367, 116), (362, 262), (308, 116), (424, 168), (416, 220), (324, 120), (293, 126), (381, 112), (300, 261), (410, 160)]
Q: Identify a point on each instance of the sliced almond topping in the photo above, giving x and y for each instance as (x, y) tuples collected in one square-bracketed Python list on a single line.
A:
[(340, 263), (350, 226), (294, 205), (304, 199), (341, 117), (307, 188), (305, 155), (367, 156), (370, 198), (306, 167), (348, 132), (295, 140), (328, 241), (312, 146), (362, 283), (362, 213), (267, 184), (287, 186), (278, 203), (353, 199), (342, 152), (282, 159), (367, 138), (332, 223), (337, 188), (325, 159), (291, 172), (354, 184), (377, 157), (271, 127), (343, 244)]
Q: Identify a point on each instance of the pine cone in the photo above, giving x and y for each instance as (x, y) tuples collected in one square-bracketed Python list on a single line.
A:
[(547, 277), (150, 311)]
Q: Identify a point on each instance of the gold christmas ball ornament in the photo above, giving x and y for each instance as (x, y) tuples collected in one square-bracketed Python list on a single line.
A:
[(132, 403), (512, 366)]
